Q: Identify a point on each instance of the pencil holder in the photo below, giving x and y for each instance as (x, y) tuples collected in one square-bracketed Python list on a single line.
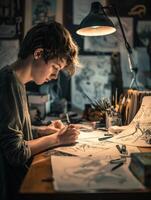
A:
[(113, 119)]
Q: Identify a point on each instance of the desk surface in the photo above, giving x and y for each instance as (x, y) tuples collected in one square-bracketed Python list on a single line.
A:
[(38, 183)]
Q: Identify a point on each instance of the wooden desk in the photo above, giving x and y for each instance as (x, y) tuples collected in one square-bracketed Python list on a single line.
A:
[(38, 184)]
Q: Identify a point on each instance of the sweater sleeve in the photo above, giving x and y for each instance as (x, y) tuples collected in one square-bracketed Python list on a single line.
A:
[(12, 137), (14, 147)]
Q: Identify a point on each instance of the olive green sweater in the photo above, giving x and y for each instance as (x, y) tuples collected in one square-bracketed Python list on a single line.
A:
[(15, 126)]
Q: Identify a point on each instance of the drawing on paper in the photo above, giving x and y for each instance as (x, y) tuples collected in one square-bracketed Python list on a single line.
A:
[(88, 144), (81, 174), (43, 11), (85, 149), (143, 31), (144, 68), (90, 176), (92, 79), (135, 132)]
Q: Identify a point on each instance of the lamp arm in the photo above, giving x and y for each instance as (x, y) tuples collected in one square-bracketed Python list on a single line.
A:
[(127, 45), (132, 66)]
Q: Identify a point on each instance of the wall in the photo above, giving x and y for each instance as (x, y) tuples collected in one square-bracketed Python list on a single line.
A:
[(106, 71), (98, 54)]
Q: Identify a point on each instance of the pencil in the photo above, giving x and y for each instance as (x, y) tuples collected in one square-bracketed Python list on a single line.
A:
[(67, 118), (104, 138), (117, 166)]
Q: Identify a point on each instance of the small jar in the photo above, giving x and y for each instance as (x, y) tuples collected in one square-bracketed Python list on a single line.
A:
[(113, 119)]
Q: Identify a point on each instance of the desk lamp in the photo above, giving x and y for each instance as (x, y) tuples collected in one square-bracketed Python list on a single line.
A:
[(97, 23)]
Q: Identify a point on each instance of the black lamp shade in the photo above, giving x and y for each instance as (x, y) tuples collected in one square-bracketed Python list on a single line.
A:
[(96, 23)]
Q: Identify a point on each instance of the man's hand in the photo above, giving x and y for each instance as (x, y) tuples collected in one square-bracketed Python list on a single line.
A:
[(57, 124), (54, 127), (68, 135), (46, 130)]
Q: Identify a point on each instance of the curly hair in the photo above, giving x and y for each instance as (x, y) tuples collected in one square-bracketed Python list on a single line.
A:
[(56, 42)]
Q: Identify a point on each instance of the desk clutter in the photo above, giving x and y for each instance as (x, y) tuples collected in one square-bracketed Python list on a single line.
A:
[(122, 113), (96, 110), (103, 158), (93, 164), (106, 160), (100, 110)]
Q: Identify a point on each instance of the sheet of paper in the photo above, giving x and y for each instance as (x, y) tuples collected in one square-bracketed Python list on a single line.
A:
[(135, 136), (131, 136), (86, 149), (91, 174), (87, 135), (88, 144)]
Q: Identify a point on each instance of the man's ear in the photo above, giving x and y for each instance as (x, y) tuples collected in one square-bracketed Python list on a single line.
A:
[(38, 53)]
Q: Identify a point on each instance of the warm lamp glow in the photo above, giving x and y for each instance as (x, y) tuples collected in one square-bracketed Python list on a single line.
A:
[(96, 31)]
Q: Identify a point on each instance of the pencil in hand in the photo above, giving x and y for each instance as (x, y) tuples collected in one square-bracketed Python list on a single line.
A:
[(67, 118)]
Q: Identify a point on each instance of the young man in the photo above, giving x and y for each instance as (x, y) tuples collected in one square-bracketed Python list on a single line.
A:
[(45, 50)]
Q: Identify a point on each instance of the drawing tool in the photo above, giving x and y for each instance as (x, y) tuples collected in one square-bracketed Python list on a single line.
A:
[(104, 138), (118, 148), (67, 118), (94, 104), (117, 161), (65, 154), (123, 149), (113, 100), (116, 97), (108, 134), (117, 166), (102, 129)]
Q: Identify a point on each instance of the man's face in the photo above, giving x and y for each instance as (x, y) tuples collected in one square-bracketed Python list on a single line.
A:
[(43, 72)]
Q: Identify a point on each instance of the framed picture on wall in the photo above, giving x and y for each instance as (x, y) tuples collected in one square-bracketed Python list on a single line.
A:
[(37, 11), (92, 79), (9, 11), (143, 32), (133, 8), (7, 31), (8, 51)]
